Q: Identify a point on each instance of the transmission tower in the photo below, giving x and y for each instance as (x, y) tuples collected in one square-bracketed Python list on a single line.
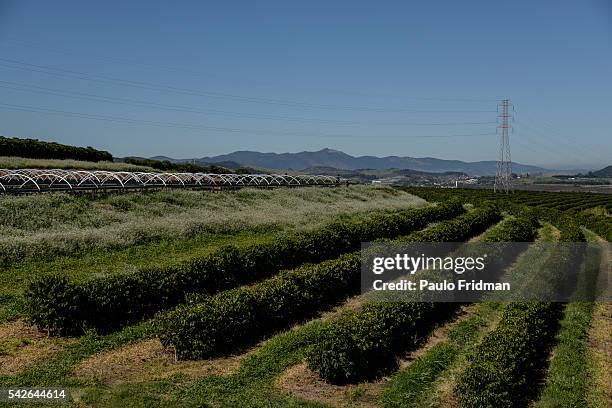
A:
[(503, 174)]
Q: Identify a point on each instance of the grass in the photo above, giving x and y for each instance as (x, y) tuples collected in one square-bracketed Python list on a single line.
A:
[(10, 346), (45, 226), (567, 379), (571, 365), (252, 385), (599, 358), (56, 370)]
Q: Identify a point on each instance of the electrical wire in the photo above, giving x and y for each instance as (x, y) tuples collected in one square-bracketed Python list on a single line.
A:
[(140, 64), (117, 119), (188, 109), (209, 94)]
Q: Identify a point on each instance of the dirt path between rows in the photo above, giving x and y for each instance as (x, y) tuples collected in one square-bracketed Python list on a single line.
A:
[(600, 335), (22, 345)]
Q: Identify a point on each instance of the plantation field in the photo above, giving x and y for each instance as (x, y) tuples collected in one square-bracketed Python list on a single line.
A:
[(251, 299)]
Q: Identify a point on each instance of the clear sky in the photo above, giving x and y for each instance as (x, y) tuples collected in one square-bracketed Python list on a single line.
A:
[(197, 78)]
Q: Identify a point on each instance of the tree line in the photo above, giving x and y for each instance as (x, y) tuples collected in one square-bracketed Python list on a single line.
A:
[(167, 165), (38, 149)]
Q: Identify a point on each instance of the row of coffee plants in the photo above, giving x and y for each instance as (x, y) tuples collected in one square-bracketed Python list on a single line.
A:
[(568, 222), (63, 306), (569, 372), (601, 225), (503, 369), (579, 205), (361, 345), (241, 316), (561, 200), (569, 204)]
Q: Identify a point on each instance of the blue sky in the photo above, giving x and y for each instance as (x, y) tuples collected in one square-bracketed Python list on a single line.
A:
[(191, 79)]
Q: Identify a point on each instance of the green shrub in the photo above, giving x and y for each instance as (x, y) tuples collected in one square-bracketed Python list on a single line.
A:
[(503, 366), (54, 300), (362, 345), (107, 302), (234, 318), (502, 370), (230, 319), (599, 224)]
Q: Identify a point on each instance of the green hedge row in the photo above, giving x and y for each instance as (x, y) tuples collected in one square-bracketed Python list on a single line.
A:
[(223, 322), (62, 306), (234, 318), (37, 149), (503, 366), (503, 369), (361, 345), (599, 224), (567, 221), (167, 165)]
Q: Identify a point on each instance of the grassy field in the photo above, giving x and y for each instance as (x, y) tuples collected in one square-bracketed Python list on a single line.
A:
[(83, 238), (51, 225)]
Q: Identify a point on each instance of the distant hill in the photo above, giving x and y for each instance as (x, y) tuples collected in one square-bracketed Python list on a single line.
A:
[(339, 160), (605, 172)]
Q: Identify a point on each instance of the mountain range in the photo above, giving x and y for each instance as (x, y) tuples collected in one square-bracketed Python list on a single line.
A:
[(340, 160), (605, 172)]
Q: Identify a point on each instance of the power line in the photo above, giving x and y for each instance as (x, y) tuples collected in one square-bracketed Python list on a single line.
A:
[(528, 133), (411, 136), (527, 137), (140, 64), (117, 119), (542, 148), (209, 94), (554, 142), (549, 147), (183, 108), (558, 136)]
